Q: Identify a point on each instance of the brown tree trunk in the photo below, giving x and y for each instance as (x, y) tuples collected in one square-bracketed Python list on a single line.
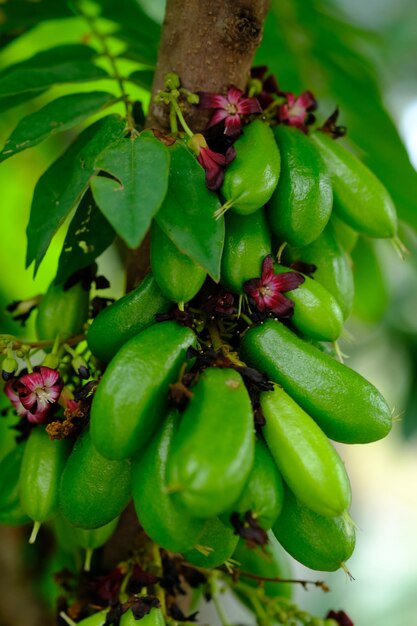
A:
[(210, 44)]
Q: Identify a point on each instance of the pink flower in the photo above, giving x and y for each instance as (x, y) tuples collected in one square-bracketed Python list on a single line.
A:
[(297, 111), (266, 291), (229, 108), (32, 395), (213, 162)]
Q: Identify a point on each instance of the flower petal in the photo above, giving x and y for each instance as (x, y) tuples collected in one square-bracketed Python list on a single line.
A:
[(249, 105), (31, 381), (212, 100), (232, 125), (251, 287), (267, 269), (234, 95), (49, 375), (286, 281), (217, 117), (282, 306)]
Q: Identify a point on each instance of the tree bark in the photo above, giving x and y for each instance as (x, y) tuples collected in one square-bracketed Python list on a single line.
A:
[(210, 44)]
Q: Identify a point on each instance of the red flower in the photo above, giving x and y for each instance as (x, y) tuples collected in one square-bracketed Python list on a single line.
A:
[(266, 291), (229, 108), (213, 162), (33, 394), (297, 111)]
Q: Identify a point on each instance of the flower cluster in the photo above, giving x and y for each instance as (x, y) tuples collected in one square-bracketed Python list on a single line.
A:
[(34, 394)]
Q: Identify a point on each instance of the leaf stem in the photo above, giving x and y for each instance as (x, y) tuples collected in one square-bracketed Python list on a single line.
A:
[(102, 37)]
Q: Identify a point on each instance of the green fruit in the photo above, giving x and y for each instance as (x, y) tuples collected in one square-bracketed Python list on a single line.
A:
[(125, 318), (347, 407), (263, 493), (270, 561), (251, 178), (97, 619), (360, 199), (316, 312), (132, 396), (166, 521), (308, 462), (215, 545), (333, 267), (371, 290), (40, 473), (246, 244), (91, 539), (301, 204), (94, 490), (344, 234), (178, 276), (11, 512), (318, 542), (214, 446), (155, 617), (62, 312)]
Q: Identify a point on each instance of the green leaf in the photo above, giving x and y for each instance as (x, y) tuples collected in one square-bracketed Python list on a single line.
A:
[(319, 50), (143, 78), (18, 14), (9, 102), (33, 78), (61, 187), (89, 234), (141, 167), (55, 117), (66, 53), (187, 213)]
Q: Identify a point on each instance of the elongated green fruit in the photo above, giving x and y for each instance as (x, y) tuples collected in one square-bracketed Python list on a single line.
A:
[(91, 539), (316, 312), (301, 204), (369, 304), (132, 396), (178, 276), (264, 492), (216, 545), (307, 460), (270, 561), (360, 199), (347, 407), (333, 267), (318, 542), (62, 312), (246, 244), (344, 234), (251, 178), (125, 318), (11, 512), (164, 519), (40, 474), (94, 490), (214, 447)]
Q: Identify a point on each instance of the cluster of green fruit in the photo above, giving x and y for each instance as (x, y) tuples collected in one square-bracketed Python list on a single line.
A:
[(201, 475)]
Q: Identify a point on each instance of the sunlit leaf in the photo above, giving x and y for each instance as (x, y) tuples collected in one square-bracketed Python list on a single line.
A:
[(141, 167), (61, 187), (55, 117)]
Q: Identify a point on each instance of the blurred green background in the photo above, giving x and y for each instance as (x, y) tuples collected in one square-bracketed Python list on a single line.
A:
[(359, 56)]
